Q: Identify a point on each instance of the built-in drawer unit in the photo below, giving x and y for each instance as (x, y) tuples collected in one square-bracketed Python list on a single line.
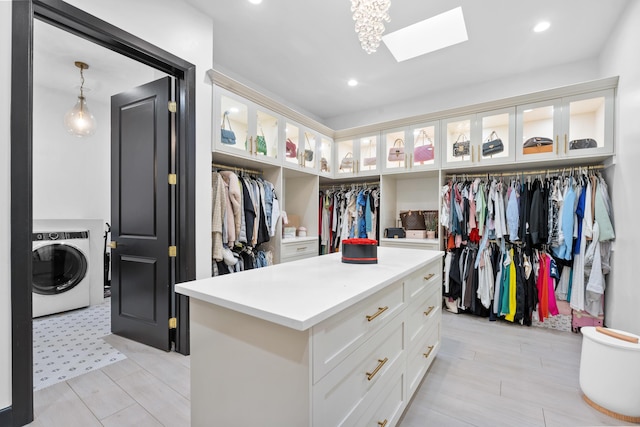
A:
[(337, 337), (298, 248), (386, 409), (345, 393), (422, 352)]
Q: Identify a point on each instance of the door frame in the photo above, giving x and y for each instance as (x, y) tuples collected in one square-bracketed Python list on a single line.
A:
[(84, 25)]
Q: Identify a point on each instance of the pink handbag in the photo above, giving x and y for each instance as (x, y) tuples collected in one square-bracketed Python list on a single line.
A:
[(292, 149), (425, 152), (396, 153)]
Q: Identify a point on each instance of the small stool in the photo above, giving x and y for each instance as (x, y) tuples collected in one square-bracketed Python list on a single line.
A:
[(610, 373)]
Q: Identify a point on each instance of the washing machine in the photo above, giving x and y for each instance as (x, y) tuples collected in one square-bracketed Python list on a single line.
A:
[(61, 279)]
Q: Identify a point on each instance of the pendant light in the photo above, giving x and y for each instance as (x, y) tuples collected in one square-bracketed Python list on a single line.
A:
[(79, 121)]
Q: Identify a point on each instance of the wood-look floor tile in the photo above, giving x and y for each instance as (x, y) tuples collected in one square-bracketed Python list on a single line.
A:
[(121, 369), (133, 416), (169, 370), (588, 417), (100, 393), (59, 406), (157, 398)]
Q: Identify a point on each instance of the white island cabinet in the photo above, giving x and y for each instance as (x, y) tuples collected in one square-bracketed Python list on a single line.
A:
[(314, 342)]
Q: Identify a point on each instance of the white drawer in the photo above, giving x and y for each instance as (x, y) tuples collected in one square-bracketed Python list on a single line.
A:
[(386, 409), (295, 249), (343, 396), (424, 244), (337, 337), (426, 278), (422, 313), (421, 354)]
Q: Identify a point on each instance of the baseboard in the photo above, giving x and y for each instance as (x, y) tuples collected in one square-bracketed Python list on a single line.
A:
[(6, 416)]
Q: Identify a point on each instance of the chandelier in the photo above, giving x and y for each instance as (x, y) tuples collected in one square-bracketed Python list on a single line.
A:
[(370, 16)]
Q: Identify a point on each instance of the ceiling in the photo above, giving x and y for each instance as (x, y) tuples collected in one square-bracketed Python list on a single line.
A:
[(305, 51)]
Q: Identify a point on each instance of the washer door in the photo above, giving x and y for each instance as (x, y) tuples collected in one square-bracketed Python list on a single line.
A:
[(57, 268)]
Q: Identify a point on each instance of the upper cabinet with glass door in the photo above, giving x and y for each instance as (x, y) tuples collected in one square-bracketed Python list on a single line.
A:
[(576, 126), (245, 129), (325, 151), (479, 139), (357, 157), (301, 146), (411, 149)]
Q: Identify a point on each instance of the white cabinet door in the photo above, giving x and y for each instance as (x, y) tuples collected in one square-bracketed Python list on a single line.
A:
[(456, 139), (497, 131), (357, 157), (587, 121)]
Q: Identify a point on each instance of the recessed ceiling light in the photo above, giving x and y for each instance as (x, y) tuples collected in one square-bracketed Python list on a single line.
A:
[(432, 34), (255, 1), (541, 26), (352, 82)]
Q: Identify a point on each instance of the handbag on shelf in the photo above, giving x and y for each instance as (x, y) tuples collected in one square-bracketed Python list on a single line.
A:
[(292, 149), (413, 220), (227, 136), (324, 165), (396, 153), (461, 146), (261, 143), (308, 153), (394, 233), (578, 144), (347, 162), (423, 153), (493, 145), (537, 144), (371, 160)]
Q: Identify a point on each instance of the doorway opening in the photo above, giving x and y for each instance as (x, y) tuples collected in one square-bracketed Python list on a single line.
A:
[(71, 19)]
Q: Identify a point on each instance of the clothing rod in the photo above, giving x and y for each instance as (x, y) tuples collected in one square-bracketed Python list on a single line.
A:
[(348, 184), (525, 173), (236, 168)]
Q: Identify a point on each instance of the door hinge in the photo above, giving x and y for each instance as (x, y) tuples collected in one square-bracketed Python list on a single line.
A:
[(173, 106), (173, 179), (173, 323), (173, 251)]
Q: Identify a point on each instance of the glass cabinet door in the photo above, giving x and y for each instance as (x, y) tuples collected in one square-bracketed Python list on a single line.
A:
[(456, 141), (424, 152), (368, 155), (588, 124), (265, 142), (292, 144), (234, 124), (345, 158), (497, 132), (538, 128), (325, 150), (393, 150)]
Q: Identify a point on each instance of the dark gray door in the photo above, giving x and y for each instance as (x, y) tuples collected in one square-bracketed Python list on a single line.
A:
[(141, 213)]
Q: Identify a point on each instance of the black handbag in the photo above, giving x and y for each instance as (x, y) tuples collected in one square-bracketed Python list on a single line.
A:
[(394, 233), (578, 144), (461, 147), (493, 145)]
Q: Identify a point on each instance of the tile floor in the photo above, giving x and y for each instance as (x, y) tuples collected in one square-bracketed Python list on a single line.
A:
[(486, 374)]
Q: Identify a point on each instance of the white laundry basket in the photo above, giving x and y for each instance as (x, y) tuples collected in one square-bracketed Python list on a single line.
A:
[(610, 374)]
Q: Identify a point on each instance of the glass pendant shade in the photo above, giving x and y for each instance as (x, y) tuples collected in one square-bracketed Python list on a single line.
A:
[(79, 121)]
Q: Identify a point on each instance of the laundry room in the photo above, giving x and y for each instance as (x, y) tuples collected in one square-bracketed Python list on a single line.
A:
[(72, 189)]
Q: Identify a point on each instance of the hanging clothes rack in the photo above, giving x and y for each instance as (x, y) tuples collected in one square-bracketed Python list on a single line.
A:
[(525, 173), (217, 166), (348, 184)]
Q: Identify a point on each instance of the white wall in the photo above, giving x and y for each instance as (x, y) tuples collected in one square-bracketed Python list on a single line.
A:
[(620, 57), (180, 29), (71, 175), (5, 204)]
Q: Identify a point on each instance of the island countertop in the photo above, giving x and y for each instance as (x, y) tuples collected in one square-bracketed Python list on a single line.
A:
[(301, 294)]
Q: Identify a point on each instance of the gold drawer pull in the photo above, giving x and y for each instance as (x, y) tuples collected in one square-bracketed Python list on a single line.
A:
[(382, 423), (381, 363), (301, 249), (429, 310), (429, 351), (429, 276), (377, 313)]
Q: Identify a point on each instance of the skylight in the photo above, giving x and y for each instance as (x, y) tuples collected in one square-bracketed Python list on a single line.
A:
[(435, 33)]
